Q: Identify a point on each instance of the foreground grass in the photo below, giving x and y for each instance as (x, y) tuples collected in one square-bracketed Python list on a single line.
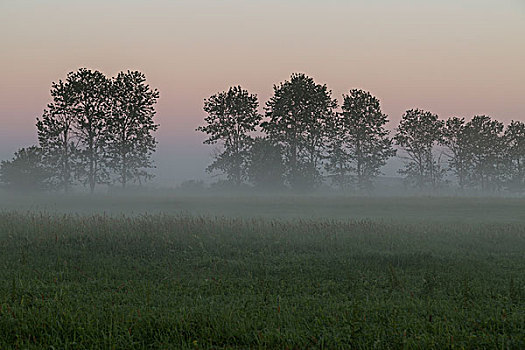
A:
[(196, 282)]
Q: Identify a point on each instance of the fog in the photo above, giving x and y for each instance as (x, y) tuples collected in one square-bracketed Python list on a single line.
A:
[(393, 206)]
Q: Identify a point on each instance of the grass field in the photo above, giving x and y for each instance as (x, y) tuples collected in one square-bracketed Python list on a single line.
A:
[(232, 272)]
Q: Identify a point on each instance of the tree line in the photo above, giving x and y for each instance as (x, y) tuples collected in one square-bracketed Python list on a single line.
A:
[(96, 130), (99, 130), (303, 139)]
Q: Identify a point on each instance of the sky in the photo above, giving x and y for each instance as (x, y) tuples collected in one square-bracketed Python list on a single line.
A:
[(452, 57)]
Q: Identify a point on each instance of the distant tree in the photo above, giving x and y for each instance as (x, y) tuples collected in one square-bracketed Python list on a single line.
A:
[(456, 139), (26, 171), (129, 139), (265, 164), (359, 144), (338, 159), (486, 146), (232, 116), (92, 107), (417, 134), (298, 116), (56, 134), (515, 153)]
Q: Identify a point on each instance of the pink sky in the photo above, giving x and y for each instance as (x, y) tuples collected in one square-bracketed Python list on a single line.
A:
[(451, 57)]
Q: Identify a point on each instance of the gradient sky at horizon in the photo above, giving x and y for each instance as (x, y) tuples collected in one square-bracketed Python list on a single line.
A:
[(453, 57)]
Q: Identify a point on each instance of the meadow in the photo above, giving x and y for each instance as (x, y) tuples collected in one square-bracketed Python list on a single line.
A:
[(296, 272)]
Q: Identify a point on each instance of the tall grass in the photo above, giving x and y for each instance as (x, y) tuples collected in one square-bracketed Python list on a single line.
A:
[(181, 281)]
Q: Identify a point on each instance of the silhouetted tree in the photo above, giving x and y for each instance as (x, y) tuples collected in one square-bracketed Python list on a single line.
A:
[(339, 160), (359, 144), (92, 107), (298, 116), (456, 139), (417, 134), (26, 171), (55, 134), (128, 136), (486, 146), (232, 115), (515, 153), (265, 164)]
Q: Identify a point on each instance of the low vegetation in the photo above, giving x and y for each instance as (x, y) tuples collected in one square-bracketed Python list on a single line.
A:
[(218, 281)]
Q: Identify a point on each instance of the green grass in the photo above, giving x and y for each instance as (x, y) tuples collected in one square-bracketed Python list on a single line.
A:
[(193, 281)]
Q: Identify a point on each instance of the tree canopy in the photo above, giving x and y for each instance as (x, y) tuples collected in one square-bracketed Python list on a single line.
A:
[(359, 144), (232, 116), (98, 130), (298, 117)]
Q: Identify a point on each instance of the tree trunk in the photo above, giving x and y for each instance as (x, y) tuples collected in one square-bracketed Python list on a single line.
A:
[(358, 165), (91, 175), (124, 171)]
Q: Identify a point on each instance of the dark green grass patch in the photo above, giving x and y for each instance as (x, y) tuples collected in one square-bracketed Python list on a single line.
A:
[(160, 281)]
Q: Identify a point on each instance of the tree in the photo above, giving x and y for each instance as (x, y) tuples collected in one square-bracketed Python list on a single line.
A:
[(298, 116), (417, 134), (128, 136), (26, 171), (265, 164), (55, 134), (515, 152), (92, 107), (456, 139), (360, 145), (339, 159), (232, 115), (485, 144)]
